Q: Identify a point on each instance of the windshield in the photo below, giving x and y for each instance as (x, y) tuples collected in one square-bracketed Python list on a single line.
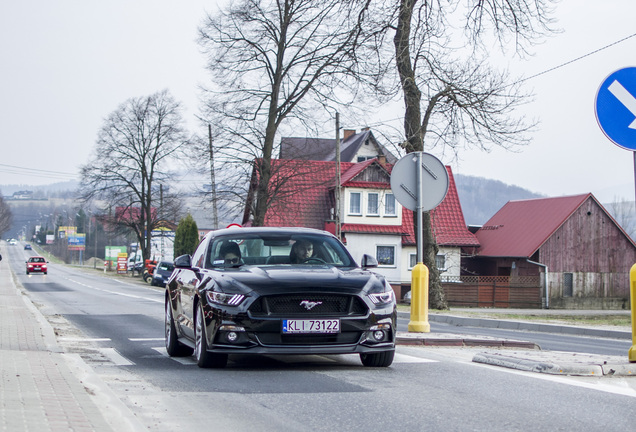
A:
[(277, 249)]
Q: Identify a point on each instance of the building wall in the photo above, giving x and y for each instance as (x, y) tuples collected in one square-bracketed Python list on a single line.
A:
[(452, 262), (359, 244), (591, 248), (367, 150)]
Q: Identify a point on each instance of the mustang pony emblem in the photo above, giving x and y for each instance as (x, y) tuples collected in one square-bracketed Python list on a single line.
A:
[(309, 305)]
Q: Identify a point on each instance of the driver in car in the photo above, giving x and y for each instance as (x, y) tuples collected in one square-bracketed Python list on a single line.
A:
[(301, 251)]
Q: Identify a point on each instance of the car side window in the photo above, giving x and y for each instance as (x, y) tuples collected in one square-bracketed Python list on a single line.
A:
[(199, 255)]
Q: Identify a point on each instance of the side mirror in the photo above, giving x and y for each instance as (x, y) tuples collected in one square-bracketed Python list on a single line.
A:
[(368, 262), (184, 261)]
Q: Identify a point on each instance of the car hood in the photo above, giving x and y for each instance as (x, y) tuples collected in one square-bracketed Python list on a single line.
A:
[(270, 280)]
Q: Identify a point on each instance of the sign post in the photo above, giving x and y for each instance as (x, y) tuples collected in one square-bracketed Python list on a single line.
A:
[(616, 115), (419, 182)]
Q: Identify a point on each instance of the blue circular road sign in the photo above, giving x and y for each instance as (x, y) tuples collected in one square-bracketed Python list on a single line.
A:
[(616, 107)]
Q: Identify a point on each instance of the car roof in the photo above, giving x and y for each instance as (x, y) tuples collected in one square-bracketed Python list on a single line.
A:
[(35, 256), (269, 230)]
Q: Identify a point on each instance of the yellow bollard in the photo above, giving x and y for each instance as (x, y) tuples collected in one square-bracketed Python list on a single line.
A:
[(632, 287), (419, 300)]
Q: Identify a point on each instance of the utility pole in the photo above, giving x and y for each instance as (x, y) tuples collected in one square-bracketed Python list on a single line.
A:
[(215, 213), (337, 189)]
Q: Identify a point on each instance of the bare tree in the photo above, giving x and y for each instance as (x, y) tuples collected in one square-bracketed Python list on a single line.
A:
[(133, 153), (6, 217), (457, 103), (623, 211), (271, 61)]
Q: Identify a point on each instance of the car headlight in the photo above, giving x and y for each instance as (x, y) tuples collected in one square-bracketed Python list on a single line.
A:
[(382, 298), (224, 299)]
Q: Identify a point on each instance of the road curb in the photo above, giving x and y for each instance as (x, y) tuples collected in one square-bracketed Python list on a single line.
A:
[(557, 367), (461, 321), (449, 340)]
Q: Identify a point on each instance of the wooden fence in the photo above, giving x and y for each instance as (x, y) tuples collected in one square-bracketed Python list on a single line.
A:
[(493, 291)]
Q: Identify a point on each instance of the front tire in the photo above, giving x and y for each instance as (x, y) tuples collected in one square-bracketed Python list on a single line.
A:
[(205, 359), (173, 346), (380, 359)]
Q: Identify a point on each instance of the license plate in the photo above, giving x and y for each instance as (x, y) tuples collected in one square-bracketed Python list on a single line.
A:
[(311, 326)]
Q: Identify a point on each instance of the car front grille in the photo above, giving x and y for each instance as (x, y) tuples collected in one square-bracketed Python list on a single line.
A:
[(324, 305), (345, 338)]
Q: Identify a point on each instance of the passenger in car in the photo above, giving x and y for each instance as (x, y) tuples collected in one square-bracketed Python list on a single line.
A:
[(301, 251), (231, 253)]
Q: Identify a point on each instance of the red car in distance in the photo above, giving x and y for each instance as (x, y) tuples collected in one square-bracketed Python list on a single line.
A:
[(36, 264)]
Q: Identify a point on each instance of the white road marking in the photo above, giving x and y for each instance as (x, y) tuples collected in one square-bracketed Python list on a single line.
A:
[(80, 339), (115, 357), (145, 339), (117, 293), (609, 385), (188, 361), (404, 358)]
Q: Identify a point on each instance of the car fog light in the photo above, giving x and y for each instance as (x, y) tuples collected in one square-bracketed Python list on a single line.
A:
[(232, 336), (378, 335)]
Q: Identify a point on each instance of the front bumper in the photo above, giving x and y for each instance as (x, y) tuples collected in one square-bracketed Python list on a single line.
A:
[(242, 333)]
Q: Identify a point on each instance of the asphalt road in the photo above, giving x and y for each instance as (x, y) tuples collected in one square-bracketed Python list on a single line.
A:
[(116, 326)]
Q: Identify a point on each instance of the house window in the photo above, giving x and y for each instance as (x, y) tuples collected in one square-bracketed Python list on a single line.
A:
[(372, 204), (354, 203), (385, 255), (440, 262), (389, 205), (364, 158), (568, 284)]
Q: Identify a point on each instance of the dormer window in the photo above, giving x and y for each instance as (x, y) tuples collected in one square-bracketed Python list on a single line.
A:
[(354, 203), (373, 208), (389, 205)]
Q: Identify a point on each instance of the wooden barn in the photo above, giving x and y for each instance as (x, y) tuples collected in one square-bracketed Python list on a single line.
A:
[(576, 252)]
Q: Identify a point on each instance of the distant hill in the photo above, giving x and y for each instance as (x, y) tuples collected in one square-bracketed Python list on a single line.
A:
[(481, 198), (54, 188)]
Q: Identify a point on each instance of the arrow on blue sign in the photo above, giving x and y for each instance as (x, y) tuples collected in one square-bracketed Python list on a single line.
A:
[(625, 98), (616, 108)]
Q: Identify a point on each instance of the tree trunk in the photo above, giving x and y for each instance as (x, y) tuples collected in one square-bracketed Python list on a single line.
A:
[(415, 142)]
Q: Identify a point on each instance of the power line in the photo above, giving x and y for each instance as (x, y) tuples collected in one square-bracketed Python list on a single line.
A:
[(577, 59), (14, 169)]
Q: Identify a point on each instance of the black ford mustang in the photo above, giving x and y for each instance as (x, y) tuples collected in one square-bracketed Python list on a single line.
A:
[(277, 291)]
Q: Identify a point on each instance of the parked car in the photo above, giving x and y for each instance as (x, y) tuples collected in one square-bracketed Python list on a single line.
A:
[(36, 264), (27, 247), (13, 242), (162, 273), (243, 292)]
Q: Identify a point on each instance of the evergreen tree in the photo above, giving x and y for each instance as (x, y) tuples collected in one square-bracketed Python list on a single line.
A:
[(186, 237)]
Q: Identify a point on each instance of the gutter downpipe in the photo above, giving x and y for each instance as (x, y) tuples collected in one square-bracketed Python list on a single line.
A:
[(545, 281)]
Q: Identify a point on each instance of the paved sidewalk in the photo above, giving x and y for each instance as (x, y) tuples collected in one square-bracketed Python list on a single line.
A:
[(41, 388)]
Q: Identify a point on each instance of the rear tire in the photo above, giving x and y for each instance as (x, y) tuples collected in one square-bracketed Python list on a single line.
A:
[(205, 359), (173, 346), (380, 359)]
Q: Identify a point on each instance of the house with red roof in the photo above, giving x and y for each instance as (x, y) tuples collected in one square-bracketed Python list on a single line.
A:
[(581, 254), (354, 147), (372, 221)]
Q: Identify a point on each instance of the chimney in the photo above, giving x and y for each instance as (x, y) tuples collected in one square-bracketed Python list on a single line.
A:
[(382, 159), (348, 133)]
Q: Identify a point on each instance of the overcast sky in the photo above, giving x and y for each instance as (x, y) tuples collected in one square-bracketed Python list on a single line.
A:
[(67, 64)]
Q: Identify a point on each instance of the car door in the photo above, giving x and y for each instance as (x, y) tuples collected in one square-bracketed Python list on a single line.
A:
[(188, 281)]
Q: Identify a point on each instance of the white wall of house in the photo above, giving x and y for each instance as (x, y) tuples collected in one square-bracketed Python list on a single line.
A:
[(372, 244), (451, 257), (367, 150)]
